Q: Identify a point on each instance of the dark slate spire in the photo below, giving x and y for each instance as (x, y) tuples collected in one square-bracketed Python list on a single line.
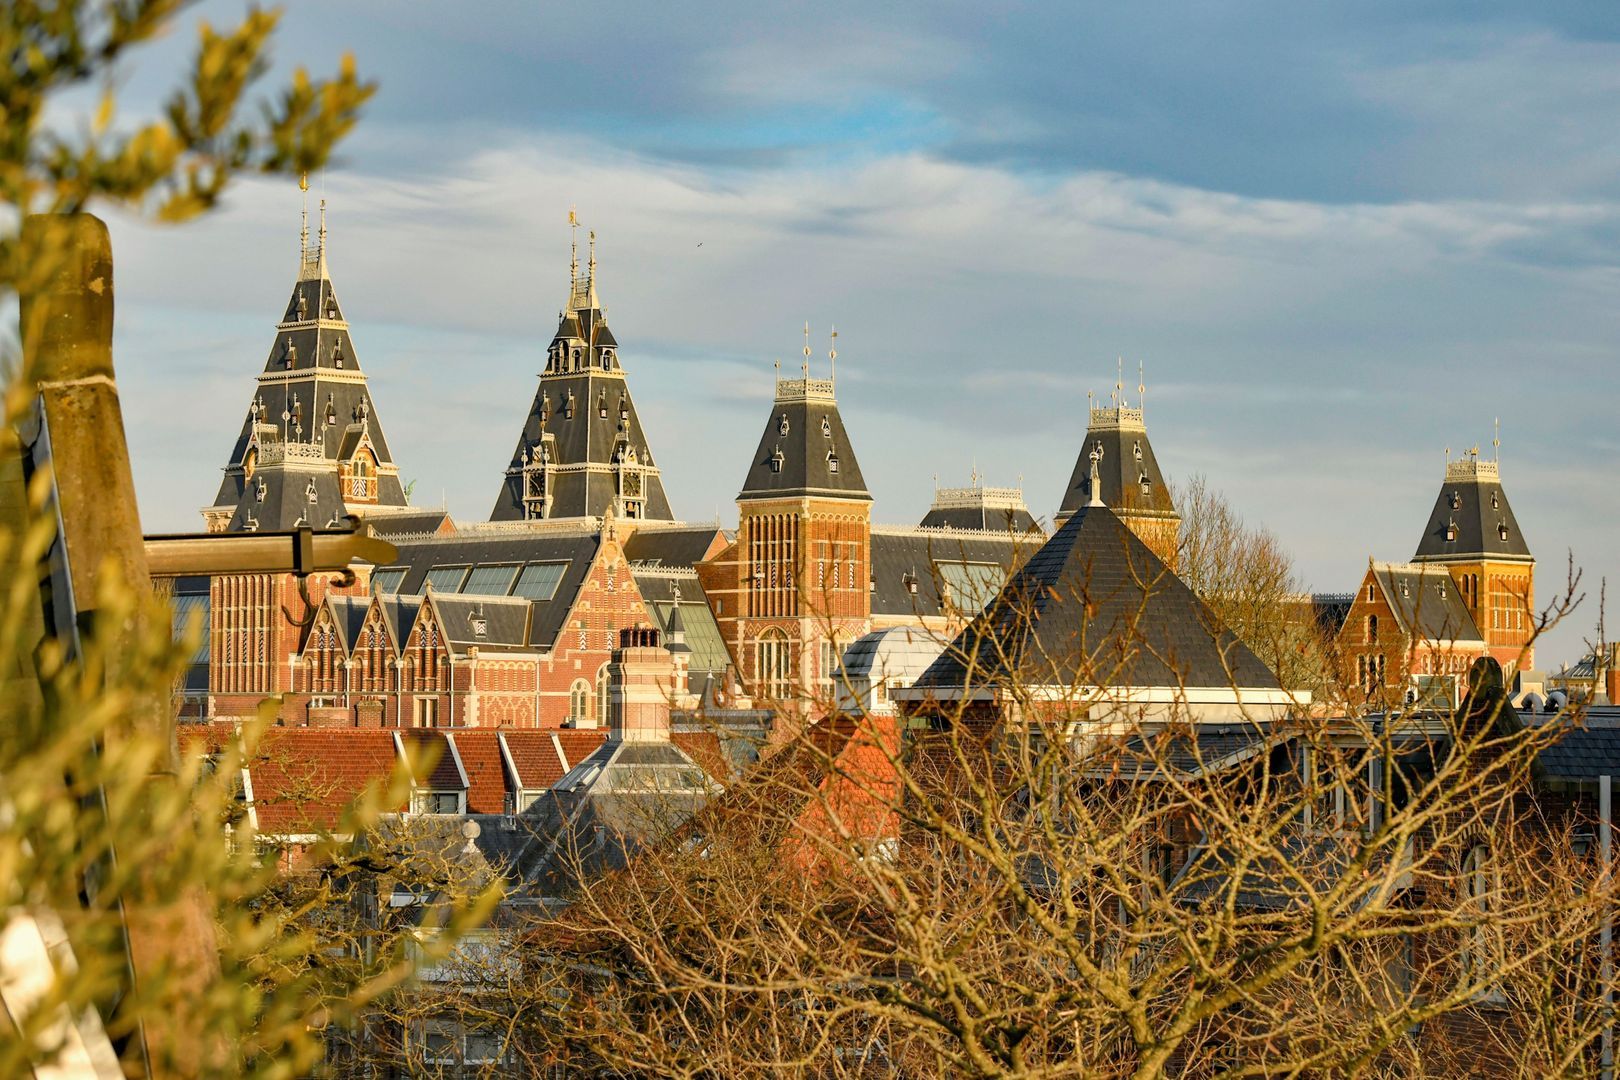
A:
[(1131, 481), (311, 448), (582, 451), (1095, 606), (1471, 517), (805, 450)]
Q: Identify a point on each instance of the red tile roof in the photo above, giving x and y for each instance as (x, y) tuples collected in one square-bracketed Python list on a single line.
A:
[(303, 779), (703, 747), (487, 781), (435, 764), (534, 752)]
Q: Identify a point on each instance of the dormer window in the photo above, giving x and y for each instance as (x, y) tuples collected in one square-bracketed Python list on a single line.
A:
[(480, 626), (826, 428), (573, 358), (331, 411), (1501, 531), (251, 524), (290, 357), (568, 406), (1496, 501), (1451, 532), (1456, 501), (607, 357), (1440, 587), (624, 411), (1147, 484), (260, 490), (303, 307), (832, 462), (545, 408), (337, 355), (601, 405), (909, 580), (776, 460), (310, 493), (782, 425), (1136, 449)]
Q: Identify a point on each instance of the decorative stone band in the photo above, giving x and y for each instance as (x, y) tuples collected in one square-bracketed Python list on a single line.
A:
[(1472, 468), (1117, 417), (972, 498), (277, 453), (803, 390)]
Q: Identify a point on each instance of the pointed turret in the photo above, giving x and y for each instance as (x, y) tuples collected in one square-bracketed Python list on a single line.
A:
[(805, 450), (311, 449), (1117, 449), (1472, 533), (582, 451), (803, 556)]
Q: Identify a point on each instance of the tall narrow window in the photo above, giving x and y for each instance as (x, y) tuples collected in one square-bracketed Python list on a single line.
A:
[(579, 704), (774, 664)]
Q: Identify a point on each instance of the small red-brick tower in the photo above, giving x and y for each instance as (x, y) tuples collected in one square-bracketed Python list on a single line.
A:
[(795, 588), (1473, 534)]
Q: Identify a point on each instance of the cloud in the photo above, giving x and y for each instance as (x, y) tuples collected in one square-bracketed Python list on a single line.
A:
[(1307, 226)]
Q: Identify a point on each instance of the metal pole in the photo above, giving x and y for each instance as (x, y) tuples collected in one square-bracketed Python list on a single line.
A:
[(1606, 940)]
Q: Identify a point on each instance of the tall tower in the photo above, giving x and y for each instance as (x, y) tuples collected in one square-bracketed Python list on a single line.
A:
[(802, 560), (1472, 533), (1132, 485), (311, 449), (582, 450)]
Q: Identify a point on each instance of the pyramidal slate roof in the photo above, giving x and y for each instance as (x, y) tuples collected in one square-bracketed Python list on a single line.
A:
[(1095, 607), (1427, 602), (1471, 518), (582, 449), (1129, 473), (312, 410), (805, 450)]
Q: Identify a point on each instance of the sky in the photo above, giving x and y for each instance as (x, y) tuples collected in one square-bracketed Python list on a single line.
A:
[(1338, 238)]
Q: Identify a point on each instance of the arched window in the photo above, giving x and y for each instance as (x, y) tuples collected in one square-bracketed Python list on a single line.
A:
[(579, 703), (602, 709), (1372, 629), (1476, 888), (774, 664)]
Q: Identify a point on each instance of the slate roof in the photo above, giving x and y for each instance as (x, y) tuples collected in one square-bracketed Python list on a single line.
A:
[(1017, 520), (1471, 501), (1427, 602), (574, 550), (901, 556), (1095, 605), (349, 617), (1588, 750), (685, 546), (324, 398), (618, 798), (411, 522), (1187, 751), (1127, 459), (596, 384), (814, 430), (505, 619)]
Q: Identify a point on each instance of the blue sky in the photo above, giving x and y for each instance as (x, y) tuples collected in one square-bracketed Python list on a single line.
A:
[(1341, 238)]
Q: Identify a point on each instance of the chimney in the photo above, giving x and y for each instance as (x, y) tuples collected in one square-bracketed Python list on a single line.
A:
[(641, 682)]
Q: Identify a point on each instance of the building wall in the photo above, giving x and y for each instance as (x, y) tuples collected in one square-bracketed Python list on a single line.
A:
[(801, 568)]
